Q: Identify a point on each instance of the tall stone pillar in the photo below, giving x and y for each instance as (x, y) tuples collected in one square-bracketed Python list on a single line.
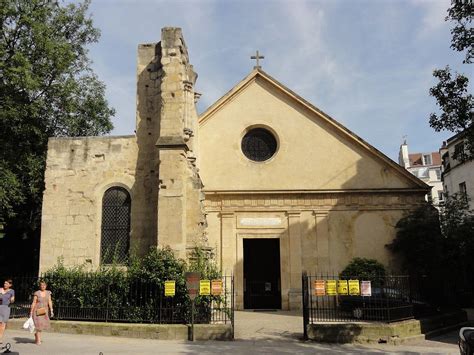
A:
[(180, 213), (294, 231), (322, 242)]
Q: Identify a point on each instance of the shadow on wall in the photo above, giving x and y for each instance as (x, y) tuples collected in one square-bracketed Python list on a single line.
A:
[(145, 189)]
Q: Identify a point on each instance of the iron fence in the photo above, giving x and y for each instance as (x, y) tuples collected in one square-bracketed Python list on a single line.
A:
[(390, 299), (135, 301)]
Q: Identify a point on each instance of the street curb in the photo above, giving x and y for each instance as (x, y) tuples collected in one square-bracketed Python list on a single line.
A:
[(131, 330)]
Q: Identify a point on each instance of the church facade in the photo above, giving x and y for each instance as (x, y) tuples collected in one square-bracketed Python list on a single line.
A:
[(270, 183)]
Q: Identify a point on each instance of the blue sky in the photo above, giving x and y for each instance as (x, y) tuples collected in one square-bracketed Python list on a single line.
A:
[(366, 63)]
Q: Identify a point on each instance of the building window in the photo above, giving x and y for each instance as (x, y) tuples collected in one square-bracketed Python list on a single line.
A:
[(463, 189), (459, 152), (422, 173), (440, 196), (427, 159), (446, 165), (259, 144), (115, 238), (438, 174), (429, 198)]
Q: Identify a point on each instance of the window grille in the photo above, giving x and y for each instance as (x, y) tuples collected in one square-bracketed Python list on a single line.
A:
[(259, 144), (115, 240)]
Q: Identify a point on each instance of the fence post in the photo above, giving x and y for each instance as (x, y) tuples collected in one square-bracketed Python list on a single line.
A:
[(304, 283), (107, 304), (232, 305)]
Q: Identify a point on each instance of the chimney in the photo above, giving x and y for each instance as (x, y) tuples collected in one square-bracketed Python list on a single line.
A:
[(403, 158)]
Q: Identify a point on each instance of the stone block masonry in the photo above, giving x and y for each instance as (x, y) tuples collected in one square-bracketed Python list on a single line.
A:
[(157, 166)]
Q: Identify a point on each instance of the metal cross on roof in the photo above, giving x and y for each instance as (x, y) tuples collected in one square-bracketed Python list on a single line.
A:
[(257, 56)]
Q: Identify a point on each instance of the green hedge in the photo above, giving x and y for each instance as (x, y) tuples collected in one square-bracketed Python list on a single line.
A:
[(132, 292)]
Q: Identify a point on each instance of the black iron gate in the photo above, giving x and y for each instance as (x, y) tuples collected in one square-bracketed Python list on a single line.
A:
[(384, 298)]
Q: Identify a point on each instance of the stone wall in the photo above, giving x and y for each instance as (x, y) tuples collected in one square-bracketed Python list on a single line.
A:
[(78, 172), (317, 232)]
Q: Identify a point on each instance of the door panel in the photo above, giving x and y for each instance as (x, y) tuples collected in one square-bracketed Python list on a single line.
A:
[(262, 285)]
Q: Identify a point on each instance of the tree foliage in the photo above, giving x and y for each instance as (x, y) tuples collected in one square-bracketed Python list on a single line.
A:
[(76, 286), (462, 12), (419, 240), (429, 241), (457, 227), (451, 92), (364, 269), (47, 89), (456, 104)]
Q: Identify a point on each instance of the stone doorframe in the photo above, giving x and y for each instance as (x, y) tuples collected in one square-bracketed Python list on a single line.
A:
[(284, 264)]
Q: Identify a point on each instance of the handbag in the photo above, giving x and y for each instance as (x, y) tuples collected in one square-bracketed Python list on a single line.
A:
[(41, 311), (29, 325)]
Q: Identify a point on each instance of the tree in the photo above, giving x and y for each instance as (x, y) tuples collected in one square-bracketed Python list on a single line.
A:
[(419, 240), (439, 247), (462, 13), (451, 92), (457, 226), (47, 89), (456, 103)]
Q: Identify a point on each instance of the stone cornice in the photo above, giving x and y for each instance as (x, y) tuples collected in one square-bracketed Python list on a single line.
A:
[(302, 191), (312, 202)]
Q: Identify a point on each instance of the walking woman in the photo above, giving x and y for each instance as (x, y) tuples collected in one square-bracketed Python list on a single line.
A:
[(42, 303), (7, 297)]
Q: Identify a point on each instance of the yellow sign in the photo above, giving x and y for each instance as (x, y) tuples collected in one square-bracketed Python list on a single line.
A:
[(205, 287), (170, 288), (331, 288), (319, 287), (216, 287), (354, 289), (342, 288)]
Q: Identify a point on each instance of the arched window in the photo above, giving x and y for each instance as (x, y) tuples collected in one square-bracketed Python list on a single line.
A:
[(115, 240)]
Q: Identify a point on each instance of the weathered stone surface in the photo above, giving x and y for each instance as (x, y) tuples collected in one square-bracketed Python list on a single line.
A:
[(394, 333)]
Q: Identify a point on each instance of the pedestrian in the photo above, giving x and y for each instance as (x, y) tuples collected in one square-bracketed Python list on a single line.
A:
[(7, 297), (40, 308)]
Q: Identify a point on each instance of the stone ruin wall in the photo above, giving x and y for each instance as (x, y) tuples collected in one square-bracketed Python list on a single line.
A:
[(158, 166)]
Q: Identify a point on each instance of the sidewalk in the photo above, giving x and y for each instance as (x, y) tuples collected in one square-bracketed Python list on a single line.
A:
[(255, 332), (61, 344)]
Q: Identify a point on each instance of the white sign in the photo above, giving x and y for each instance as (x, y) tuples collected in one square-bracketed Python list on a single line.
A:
[(365, 288), (260, 221)]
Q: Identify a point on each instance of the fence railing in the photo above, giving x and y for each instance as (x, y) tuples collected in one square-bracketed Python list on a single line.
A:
[(383, 298), (137, 301)]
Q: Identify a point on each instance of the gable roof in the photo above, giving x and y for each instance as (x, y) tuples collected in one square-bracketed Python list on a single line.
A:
[(258, 73)]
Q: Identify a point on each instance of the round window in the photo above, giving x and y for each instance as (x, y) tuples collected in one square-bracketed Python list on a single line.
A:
[(259, 144)]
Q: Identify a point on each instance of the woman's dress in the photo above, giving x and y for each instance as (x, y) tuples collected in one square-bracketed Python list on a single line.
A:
[(42, 322), (5, 298)]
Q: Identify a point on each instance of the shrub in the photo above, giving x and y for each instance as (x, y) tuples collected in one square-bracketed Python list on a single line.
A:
[(116, 289), (363, 269)]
